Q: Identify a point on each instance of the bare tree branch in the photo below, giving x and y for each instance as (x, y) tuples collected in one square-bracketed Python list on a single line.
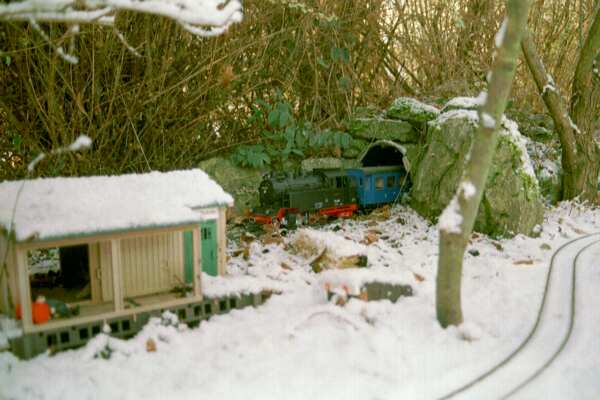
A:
[(200, 17), (554, 102)]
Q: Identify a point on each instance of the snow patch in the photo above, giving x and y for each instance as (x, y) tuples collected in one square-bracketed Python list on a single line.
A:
[(416, 106), (470, 331), (227, 286), (82, 142), (470, 115), (511, 129), (467, 102)]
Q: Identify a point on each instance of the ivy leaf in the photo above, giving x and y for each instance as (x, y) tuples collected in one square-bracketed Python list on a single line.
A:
[(273, 118), (256, 116), (345, 83), (322, 63), (340, 54), (17, 140), (263, 104)]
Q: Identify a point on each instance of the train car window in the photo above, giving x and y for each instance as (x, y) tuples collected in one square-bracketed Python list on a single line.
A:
[(338, 181), (353, 180), (390, 181), (379, 183), (360, 182)]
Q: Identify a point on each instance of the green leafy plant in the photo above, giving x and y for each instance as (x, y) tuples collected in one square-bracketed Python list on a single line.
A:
[(282, 137), (253, 156)]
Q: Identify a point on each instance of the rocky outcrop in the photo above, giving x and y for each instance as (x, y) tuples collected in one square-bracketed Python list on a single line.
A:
[(511, 202), (380, 128), (411, 110), (310, 164), (241, 183), (546, 161)]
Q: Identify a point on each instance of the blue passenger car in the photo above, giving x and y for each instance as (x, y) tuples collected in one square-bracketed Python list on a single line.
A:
[(379, 185)]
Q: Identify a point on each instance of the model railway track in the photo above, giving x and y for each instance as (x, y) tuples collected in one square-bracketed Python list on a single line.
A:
[(483, 386)]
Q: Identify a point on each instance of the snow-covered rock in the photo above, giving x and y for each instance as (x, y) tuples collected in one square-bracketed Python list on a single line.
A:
[(411, 110), (511, 202)]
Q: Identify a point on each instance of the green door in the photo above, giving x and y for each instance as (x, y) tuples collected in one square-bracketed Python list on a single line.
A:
[(209, 247)]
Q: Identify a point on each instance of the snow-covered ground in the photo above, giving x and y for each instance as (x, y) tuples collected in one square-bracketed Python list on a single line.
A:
[(300, 346)]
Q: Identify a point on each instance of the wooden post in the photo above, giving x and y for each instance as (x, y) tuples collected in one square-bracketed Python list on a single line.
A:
[(117, 276), (222, 241), (5, 275), (197, 257), (95, 285), (24, 289)]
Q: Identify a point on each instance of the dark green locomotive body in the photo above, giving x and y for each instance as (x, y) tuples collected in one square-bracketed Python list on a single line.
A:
[(328, 192)]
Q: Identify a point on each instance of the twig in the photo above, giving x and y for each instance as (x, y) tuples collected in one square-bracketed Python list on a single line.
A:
[(71, 59)]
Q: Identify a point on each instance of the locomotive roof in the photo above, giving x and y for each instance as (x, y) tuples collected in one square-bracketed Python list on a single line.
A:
[(56, 208)]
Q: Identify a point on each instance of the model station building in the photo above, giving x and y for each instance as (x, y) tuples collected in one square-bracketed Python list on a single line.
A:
[(107, 250)]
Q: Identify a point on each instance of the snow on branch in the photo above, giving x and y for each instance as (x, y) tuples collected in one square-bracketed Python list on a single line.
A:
[(499, 38), (200, 17), (550, 85), (451, 219), (83, 142)]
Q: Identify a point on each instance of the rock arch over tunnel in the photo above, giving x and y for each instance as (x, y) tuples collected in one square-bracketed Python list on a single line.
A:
[(384, 153)]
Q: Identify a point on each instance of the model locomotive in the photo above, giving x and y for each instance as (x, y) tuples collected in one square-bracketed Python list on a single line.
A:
[(291, 199)]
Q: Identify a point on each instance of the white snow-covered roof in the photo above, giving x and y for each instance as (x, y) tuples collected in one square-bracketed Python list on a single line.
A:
[(54, 208)]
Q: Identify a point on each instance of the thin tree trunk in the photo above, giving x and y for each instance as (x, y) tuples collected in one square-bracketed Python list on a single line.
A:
[(456, 222)]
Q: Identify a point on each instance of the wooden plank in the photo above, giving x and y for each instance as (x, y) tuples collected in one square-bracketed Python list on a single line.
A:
[(13, 279), (117, 275), (24, 290), (5, 275), (102, 237), (106, 271), (197, 257), (95, 284), (222, 241), (73, 321)]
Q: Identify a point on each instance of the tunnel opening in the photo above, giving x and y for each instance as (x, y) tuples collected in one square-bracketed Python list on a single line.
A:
[(388, 154), (383, 156)]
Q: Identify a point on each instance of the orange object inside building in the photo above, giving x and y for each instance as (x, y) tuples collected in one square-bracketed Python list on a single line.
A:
[(40, 312)]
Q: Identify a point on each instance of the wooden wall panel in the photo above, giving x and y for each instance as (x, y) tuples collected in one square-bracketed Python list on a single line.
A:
[(152, 264)]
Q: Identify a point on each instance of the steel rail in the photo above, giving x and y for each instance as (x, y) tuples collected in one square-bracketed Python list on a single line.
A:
[(567, 336), (532, 332)]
